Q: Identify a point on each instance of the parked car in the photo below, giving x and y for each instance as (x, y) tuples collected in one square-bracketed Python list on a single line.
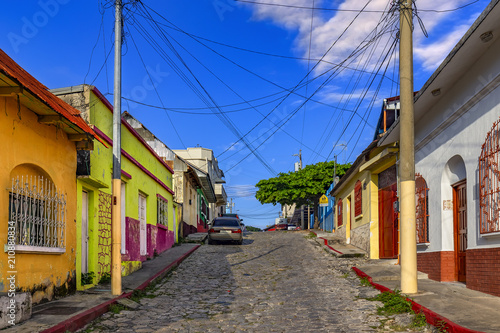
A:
[(293, 227), (281, 226), (225, 229)]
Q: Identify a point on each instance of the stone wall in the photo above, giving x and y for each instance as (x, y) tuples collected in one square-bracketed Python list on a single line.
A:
[(360, 237)]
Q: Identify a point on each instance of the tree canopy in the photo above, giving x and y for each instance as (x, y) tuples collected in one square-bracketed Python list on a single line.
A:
[(303, 187)]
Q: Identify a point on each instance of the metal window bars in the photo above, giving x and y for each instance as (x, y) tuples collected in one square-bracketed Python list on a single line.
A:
[(162, 209), (37, 210), (422, 209), (489, 182)]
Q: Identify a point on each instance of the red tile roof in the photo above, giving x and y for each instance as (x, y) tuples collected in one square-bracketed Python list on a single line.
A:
[(10, 68)]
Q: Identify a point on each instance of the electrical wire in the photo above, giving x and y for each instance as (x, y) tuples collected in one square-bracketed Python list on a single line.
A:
[(348, 10)]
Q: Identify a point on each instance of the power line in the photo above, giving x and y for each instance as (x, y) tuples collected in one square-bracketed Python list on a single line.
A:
[(349, 10), (206, 96)]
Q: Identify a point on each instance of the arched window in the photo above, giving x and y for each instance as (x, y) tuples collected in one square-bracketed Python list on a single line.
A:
[(339, 213), (422, 209), (489, 182), (37, 211)]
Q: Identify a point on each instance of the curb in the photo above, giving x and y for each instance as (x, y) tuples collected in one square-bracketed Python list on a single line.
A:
[(431, 317), (326, 243), (80, 320)]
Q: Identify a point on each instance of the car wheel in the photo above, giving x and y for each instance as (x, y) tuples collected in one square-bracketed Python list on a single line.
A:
[(240, 242), (210, 242)]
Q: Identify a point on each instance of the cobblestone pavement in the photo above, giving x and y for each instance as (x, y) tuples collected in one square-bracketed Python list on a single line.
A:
[(274, 282)]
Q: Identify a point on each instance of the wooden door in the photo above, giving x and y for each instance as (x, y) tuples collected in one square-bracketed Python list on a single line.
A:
[(85, 232), (460, 226), (388, 222), (142, 224), (122, 222)]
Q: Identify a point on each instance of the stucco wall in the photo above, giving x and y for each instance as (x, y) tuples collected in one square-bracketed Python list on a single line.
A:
[(438, 160), (29, 143)]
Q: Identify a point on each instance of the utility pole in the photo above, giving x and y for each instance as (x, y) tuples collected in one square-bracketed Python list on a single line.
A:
[(116, 257), (408, 243), (302, 225), (231, 205)]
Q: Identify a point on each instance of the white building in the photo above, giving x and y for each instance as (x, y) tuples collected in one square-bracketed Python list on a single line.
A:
[(457, 155)]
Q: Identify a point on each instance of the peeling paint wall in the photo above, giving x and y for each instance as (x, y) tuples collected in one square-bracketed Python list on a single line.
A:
[(46, 149)]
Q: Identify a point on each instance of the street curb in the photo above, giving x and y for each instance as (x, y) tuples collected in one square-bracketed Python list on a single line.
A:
[(326, 243), (80, 320), (431, 317)]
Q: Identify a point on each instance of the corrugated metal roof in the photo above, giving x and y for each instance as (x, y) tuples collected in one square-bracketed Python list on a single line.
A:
[(17, 74)]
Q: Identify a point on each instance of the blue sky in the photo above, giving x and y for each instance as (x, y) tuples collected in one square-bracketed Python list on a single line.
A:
[(223, 69)]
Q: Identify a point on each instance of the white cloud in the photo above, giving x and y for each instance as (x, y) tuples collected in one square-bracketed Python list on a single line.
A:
[(327, 29), (431, 55)]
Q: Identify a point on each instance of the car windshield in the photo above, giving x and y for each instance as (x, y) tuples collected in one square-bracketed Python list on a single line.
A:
[(226, 223)]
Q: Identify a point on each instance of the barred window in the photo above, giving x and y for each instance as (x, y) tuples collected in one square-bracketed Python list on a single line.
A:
[(37, 214), (162, 210), (489, 182), (422, 209)]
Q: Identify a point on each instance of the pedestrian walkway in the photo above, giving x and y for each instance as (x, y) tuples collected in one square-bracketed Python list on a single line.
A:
[(75, 311), (445, 304)]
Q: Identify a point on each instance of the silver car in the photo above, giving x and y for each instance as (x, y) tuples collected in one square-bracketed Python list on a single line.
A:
[(225, 229)]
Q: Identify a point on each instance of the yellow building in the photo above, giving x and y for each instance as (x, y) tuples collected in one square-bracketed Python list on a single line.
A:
[(366, 212), (38, 206)]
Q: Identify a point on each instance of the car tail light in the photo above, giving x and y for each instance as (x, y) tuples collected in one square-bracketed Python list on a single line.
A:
[(213, 230), (236, 231)]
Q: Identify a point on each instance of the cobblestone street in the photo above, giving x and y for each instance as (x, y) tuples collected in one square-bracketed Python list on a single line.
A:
[(274, 282)]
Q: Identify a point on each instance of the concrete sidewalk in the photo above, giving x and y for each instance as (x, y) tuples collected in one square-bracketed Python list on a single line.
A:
[(74, 312), (445, 304)]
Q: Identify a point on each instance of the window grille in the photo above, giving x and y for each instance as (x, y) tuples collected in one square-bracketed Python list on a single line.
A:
[(489, 182), (422, 209), (37, 211), (162, 210)]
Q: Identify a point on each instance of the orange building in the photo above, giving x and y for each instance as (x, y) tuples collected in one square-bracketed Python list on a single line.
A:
[(40, 136)]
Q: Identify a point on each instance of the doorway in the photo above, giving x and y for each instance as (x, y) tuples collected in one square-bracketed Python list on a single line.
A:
[(388, 222), (142, 224), (460, 228), (85, 232)]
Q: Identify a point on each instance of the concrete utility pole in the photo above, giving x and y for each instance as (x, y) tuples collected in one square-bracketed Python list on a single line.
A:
[(408, 237), (302, 225), (116, 257), (231, 205)]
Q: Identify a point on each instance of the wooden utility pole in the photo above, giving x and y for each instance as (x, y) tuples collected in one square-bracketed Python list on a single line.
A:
[(408, 243), (116, 256)]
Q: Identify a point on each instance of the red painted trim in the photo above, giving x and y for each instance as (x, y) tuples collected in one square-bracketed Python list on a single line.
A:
[(326, 243), (82, 319), (158, 195), (164, 271), (134, 161), (148, 147), (126, 174), (103, 135), (103, 99), (432, 317)]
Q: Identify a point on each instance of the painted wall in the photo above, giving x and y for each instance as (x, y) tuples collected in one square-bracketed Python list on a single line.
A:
[(31, 147), (453, 151), (447, 150), (363, 230), (143, 172)]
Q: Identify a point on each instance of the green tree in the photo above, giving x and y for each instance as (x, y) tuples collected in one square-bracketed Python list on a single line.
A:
[(303, 187)]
